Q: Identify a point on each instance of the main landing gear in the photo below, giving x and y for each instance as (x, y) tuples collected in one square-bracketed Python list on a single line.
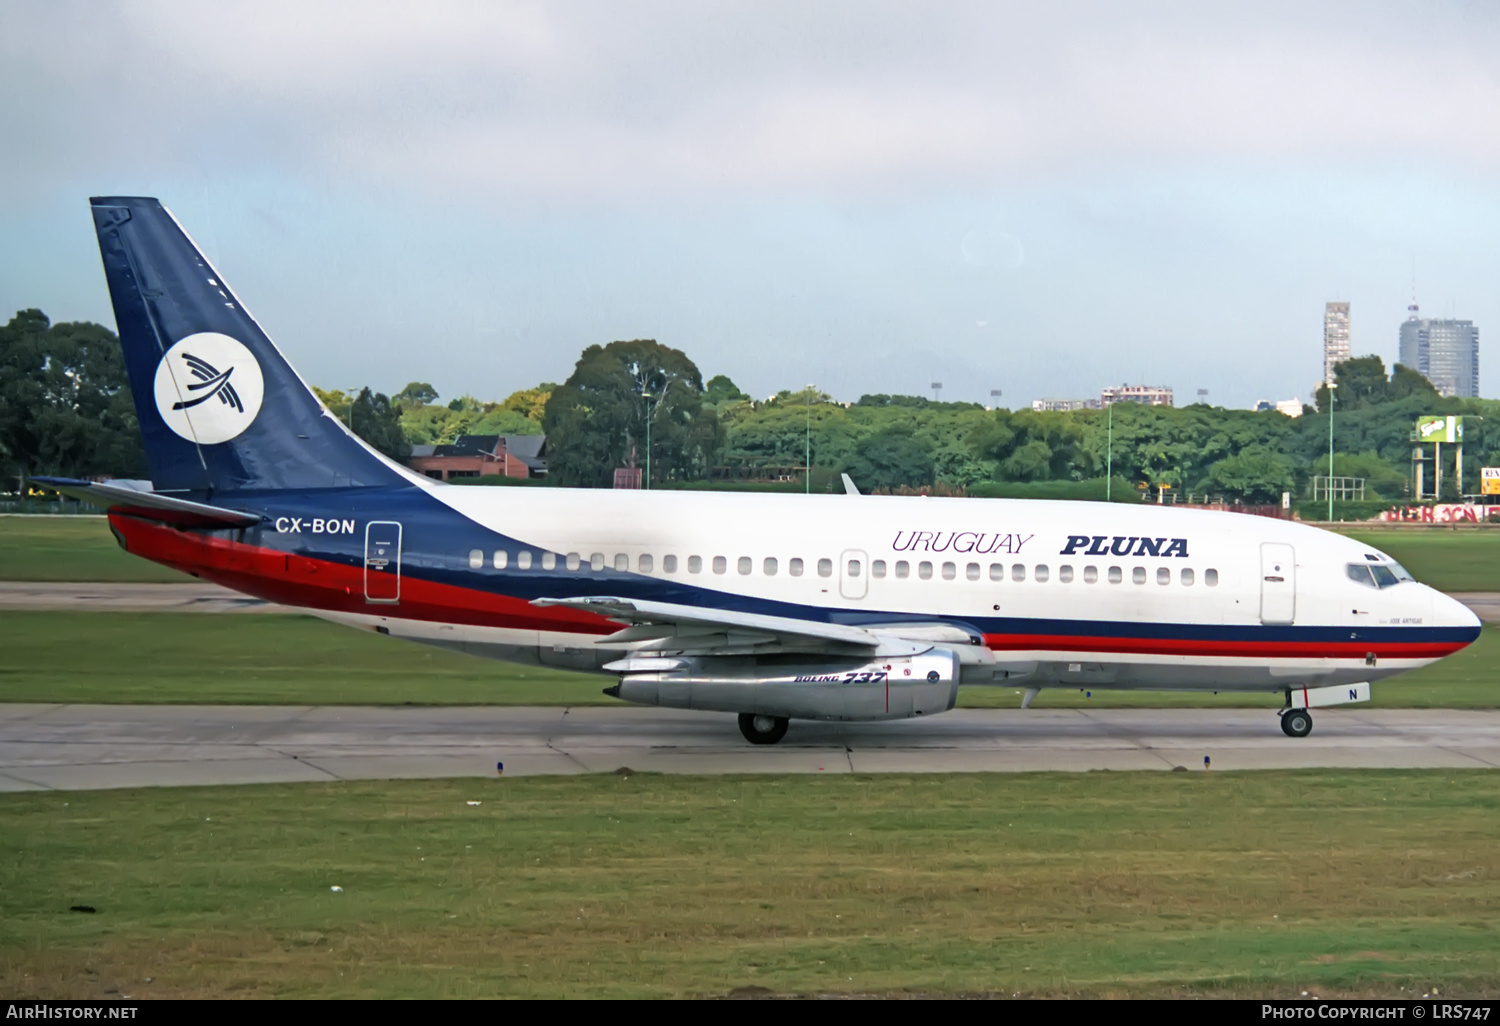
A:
[(1296, 722), (762, 730)]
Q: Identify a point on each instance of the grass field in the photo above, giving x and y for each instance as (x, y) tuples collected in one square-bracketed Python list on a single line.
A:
[(1263, 884), (70, 548), (82, 549), (264, 658)]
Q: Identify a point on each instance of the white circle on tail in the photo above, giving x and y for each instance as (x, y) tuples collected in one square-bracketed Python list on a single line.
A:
[(208, 388)]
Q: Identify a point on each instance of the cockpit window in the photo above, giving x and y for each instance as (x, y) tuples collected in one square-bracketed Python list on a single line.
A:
[(1377, 575), (1400, 572)]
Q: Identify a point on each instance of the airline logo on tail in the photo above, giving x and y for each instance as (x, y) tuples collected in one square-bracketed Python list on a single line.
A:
[(208, 388)]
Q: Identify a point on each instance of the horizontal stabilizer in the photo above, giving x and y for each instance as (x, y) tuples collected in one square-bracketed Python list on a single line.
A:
[(163, 509)]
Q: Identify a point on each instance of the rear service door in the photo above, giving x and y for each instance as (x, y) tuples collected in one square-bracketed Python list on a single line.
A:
[(1278, 583), (383, 561), (854, 574)]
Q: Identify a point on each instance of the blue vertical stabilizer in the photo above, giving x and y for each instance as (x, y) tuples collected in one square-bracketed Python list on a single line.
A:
[(219, 407)]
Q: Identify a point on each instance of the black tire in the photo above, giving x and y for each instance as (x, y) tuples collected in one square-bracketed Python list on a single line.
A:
[(762, 730), (1296, 723)]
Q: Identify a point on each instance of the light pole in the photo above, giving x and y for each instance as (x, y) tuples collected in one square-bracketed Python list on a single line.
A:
[(1109, 450), (1328, 481), (807, 456), (650, 416)]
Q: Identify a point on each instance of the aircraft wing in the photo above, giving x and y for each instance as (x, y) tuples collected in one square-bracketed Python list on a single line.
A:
[(667, 626), (163, 509)]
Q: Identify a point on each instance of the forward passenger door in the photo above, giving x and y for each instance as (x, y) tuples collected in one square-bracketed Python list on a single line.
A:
[(1278, 583)]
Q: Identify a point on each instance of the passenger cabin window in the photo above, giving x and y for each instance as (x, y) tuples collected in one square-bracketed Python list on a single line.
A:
[(769, 566), (949, 571), (1090, 575), (1065, 574), (794, 566), (476, 559), (825, 568), (1138, 575), (903, 569), (622, 562), (501, 558), (720, 564), (644, 563), (853, 568), (549, 561), (744, 565), (1163, 575), (695, 564), (877, 568), (574, 560), (1211, 578), (972, 571), (1116, 575), (596, 561), (669, 564), (997, 571), (1186, 577), (1040, 572), (924, 570), (523, 559), (1018, 572)]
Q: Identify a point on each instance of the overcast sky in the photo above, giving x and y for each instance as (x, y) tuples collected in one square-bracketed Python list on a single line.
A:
[(1038, 198)]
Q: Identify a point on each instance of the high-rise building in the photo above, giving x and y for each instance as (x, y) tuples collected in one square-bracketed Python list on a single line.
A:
[(1335, 337), (1063, 405), (1444, 352), (1151, 395)]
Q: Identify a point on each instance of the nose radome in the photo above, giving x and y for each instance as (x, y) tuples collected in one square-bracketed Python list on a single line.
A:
[(1449, 612)]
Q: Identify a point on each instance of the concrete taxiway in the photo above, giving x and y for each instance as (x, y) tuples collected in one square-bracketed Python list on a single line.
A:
[(80, 747), (190, 597)]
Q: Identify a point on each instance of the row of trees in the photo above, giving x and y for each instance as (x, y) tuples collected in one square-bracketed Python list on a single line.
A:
[(65, 409)]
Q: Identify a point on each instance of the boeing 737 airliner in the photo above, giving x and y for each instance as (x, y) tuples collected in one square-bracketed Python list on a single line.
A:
[(775, 607)]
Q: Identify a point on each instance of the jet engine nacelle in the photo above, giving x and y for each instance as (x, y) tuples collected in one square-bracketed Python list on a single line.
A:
[(827, 689)]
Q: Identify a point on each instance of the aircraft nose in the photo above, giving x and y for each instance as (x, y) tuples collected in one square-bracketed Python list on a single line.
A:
[(1449, 612)]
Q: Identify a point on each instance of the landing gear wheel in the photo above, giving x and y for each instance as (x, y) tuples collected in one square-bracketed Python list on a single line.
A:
[(762, 730), (1296, 723)]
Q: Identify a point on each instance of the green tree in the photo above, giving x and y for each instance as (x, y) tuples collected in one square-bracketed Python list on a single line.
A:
[(890, 459), (1255, 474), (721, 390), (1382, 480), (377, 420), (65, 402), (597, 419), (416, 393), (1362, 383), (371, 416), (530, 403)]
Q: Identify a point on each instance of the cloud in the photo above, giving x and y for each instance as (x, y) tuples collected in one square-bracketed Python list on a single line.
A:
[(593, 102)]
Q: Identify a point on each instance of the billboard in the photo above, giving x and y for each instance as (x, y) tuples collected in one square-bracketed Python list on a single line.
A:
[(1440, 429), (1489, 481)]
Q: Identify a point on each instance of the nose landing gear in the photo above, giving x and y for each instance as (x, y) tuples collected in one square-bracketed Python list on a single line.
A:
[(1296, 722), (762, 730)]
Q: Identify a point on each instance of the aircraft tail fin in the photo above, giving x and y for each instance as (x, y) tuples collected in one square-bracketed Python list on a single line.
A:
[(219, 407)]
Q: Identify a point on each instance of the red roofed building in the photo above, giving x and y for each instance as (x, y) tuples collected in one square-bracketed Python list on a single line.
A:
[(482, 456)]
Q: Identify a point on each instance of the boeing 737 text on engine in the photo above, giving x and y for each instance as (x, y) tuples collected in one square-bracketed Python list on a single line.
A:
[(775, 607)]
